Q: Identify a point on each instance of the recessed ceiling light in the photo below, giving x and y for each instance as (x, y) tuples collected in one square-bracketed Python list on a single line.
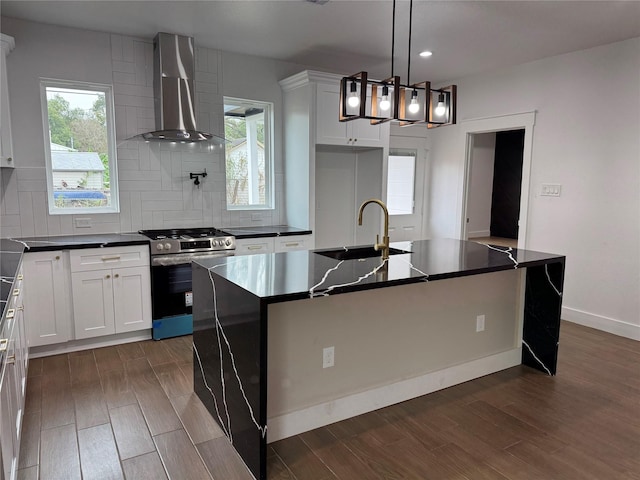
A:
[(426, 53)]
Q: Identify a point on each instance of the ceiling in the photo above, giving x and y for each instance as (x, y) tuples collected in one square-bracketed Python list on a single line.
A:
[(347, 36)]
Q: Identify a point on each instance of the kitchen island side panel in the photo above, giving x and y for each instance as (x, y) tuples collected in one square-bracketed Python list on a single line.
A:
[(542, 310), (230, 363)]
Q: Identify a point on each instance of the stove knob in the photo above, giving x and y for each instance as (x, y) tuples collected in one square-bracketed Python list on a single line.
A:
[(159, 246), (228, 242), (214, 243), (167, 246)]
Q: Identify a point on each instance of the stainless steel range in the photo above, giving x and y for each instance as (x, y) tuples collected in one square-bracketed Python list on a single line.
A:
[(171, 254)]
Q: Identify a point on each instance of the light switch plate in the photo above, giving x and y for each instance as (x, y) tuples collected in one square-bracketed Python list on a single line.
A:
[(551, 190)]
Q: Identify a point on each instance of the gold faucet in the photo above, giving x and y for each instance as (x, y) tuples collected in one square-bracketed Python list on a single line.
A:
[(384, 246)]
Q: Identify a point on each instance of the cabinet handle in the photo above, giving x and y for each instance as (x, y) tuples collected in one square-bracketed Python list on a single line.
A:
[(57, 257), (21, 308), (10, 360), (16, 292), (11, 313), (292, 244), (4, 343), (254, 247), (355, 140), (108, 276), (20, 277), (9, 159), (106, 259), (116, 275)]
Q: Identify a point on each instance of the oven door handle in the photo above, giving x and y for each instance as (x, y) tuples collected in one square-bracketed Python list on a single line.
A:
[(170, 260)]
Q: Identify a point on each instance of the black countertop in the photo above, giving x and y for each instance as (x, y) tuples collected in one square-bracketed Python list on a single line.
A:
[(71, 242), (264, 231), (304, 274)]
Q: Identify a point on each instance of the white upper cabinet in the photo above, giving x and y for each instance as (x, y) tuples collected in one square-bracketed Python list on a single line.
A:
[(331, 131), (6, 144)]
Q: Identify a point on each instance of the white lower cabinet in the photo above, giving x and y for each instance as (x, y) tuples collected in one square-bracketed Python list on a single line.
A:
[(13, 373), (113, 300), (46, 293), (251, 246), (293, 242)]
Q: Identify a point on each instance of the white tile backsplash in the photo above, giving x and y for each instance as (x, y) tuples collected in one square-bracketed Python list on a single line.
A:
[(154, 184)]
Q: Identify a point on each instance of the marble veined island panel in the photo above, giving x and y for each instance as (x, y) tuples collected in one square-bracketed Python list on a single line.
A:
[(401, 328)]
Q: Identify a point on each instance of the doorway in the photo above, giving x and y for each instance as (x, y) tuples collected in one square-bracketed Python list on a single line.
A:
[(513, 136), (495, 182)]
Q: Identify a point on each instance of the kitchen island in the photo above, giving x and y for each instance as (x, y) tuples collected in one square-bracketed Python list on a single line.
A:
[(444, 312)]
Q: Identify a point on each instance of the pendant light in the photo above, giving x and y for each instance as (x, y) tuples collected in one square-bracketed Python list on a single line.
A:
[(408, 104)]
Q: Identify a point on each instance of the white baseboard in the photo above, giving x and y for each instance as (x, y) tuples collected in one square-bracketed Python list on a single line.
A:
[(300, 421), (479, 233), (89, 343), (599, 322)]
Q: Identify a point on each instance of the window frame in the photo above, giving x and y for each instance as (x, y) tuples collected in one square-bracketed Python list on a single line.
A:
[(107, 89), (268, 152), (405, 152)]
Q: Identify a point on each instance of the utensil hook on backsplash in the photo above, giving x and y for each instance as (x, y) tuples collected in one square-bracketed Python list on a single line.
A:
[(196, 177)]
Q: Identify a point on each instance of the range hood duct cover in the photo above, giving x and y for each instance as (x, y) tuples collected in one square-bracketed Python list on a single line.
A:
[(173, 88)]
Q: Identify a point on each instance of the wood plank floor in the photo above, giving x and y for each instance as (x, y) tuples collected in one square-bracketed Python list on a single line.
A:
[(128, 412)]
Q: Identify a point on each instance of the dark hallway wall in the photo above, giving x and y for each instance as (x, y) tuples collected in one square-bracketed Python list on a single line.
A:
[(507, 181)]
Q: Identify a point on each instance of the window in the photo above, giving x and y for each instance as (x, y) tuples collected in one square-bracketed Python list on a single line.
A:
[(248, 153), (80, 147), (401, 182)]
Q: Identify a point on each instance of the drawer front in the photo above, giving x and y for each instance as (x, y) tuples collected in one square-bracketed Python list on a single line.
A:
[(88, 259), (252, 246), (293, 242)]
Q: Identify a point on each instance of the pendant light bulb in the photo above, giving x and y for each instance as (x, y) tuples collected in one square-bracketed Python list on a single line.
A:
[(354, 99), (385, 103), (441, 108), (414, 106)]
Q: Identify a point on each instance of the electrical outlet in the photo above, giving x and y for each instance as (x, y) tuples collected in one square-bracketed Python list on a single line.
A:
[(83, 222), (480, 323), (328, 357)]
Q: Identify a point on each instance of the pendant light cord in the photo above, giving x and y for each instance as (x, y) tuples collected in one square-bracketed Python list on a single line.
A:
[(409, 53), (393, 36)]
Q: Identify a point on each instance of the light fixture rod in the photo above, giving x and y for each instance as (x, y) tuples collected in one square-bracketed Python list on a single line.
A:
[(393, 35), (409, 53)]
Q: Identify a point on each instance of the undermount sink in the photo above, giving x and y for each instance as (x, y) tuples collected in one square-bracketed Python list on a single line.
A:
[(356, 253)]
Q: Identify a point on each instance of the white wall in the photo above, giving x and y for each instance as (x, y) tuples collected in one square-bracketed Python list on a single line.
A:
[(155, 190), (481, 185), (586, 138)]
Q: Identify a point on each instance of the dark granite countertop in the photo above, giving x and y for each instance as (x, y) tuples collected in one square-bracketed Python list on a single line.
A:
[(71, 242), (264, 231), (304, 274)]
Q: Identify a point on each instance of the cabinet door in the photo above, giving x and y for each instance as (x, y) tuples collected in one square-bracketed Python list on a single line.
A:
[(251, 246), (132, 298), (93, 303), (366, 135), (10, 413), (330, 130), (6, 147), (46, 298)]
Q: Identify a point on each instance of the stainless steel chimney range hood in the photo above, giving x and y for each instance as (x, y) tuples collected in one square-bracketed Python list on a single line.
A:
[(174, 94)]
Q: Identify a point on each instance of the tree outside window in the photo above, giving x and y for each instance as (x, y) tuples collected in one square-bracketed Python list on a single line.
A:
[(248, 154), (80, 147)]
